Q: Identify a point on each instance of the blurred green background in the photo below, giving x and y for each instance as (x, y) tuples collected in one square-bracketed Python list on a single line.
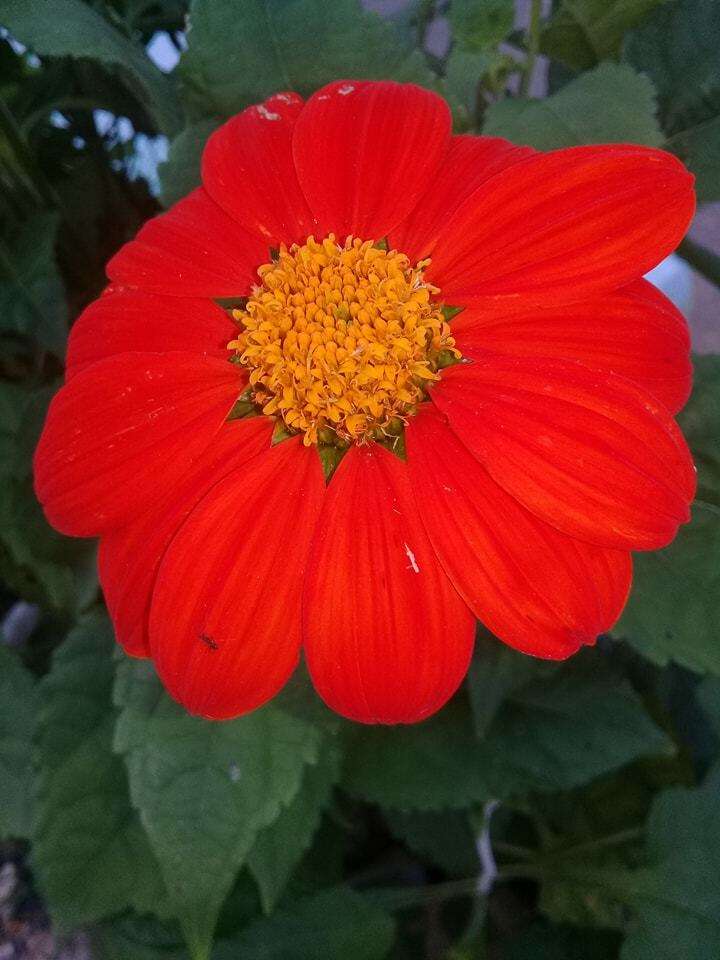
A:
[(550, 812)]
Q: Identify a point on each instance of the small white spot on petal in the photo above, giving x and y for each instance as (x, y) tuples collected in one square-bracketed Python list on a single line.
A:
[(267, 114), (411, 557), (345, 89)]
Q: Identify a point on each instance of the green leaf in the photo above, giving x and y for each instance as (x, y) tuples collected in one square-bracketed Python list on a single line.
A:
[(32, 298), (672, 611), (336, 924), (677, 898), (136, 938), (708, 695), (497, 670), (700, 423), (204, 789), (71, 28), (553, 734), (279, 847), (19, 702), (611, 104), (89, 850), (36, 562), (540, 941), (678, 48), (181, 173), (289, 45), (584, 32), (699, 148), (445, 837), (480, 26), (463, 72)]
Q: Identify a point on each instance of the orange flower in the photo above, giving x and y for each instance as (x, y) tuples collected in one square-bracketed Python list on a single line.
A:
[(450, 397)]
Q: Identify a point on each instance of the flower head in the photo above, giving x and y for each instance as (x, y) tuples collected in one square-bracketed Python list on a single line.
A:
[(369, 383)]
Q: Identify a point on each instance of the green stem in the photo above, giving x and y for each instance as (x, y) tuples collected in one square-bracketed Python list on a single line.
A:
[(533, 47), (402, 898), (612, 840), (701, 259), (557, 866), (513, 850)]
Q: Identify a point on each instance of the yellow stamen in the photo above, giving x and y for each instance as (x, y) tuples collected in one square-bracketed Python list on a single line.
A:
[(341, 337)]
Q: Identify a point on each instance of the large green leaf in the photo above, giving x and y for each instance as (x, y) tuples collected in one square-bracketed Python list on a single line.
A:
[(336, 924), (583, 32), (279, 847), (678, 47), (71, 28), (708, 695), (181, 173), (495, 672), (610, 104), (205, 790), (136, 938), (700, 423), (540, 941), (89, 850), (481, 26), (677, 898), (445, 837), (32, 299), (672, 613), (553, 734), (240, 53), (19, 703), (673, 609)]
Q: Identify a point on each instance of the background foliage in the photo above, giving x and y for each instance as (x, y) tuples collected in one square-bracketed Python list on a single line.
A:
[(567, 812)]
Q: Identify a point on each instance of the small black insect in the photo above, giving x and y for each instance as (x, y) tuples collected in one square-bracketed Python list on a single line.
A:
[(209, 642)]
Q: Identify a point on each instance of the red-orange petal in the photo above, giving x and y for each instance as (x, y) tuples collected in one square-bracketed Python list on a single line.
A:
[(225, 616), (193, 250), (124, 429), (248, 169), (469, 162), (130, 556), (366, 151), (387, 638), (588, 452), (129, 321), (535, 588), (565, 225), (635, 332)]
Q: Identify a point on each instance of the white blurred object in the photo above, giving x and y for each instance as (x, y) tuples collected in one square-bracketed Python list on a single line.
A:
[(19, 622), (675, 278), (163, 52)]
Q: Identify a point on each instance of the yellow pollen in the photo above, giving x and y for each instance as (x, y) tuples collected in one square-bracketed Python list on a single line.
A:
[(342, 339)]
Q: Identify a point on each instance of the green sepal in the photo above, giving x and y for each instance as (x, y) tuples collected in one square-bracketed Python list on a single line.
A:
[(232, 303), (446, 358), (330, 456), (449, 312), (395, 445), (280, 433), (243, 407)]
